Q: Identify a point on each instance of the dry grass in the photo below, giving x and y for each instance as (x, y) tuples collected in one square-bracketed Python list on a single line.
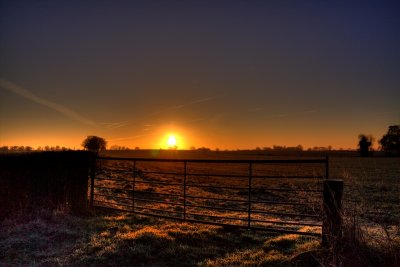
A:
[(58, 239)]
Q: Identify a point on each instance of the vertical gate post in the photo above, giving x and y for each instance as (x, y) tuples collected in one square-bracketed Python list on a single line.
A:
[(332, 223), (92, 174), (133, 186), (327, 167), (184, 190), (249, 197)]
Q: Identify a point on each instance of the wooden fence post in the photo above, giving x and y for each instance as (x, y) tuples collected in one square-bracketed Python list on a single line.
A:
[(332, 223)]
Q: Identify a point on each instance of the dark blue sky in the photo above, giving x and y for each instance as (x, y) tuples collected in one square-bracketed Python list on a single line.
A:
[(227, 74)]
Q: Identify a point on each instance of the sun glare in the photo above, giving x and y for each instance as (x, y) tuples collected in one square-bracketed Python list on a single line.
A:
[(171, 142), (172, 138)]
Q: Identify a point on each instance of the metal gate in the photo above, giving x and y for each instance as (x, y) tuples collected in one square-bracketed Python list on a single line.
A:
[(280, 195)]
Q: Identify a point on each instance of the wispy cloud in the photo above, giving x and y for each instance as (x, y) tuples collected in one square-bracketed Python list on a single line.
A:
[(205, 99), (193, 121), (178, 107), (292, 114), (16, 89), (197, 101), (115, 125), (255, 109), (218, 117), (185, 105), (128, 138), (385, 112)]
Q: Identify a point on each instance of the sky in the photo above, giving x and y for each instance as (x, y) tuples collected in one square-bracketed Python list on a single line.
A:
[(217, 74)]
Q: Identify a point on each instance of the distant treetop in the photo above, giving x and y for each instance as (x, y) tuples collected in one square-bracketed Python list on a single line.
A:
[(94, 143)]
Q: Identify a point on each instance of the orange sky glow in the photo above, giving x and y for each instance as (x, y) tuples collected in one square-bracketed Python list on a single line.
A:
[(216, 74)]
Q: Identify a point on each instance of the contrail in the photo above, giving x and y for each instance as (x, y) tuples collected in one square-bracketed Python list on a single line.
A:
[(16, 89)]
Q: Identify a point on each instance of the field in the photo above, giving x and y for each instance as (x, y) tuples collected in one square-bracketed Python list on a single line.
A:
[(371, 216)]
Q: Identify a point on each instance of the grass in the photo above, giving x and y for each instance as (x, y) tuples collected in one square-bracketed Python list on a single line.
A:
[(56, 238), (59, 239)]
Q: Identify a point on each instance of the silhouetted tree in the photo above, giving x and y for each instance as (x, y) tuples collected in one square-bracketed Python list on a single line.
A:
[(94, 143), (364, 144), (390, 142)]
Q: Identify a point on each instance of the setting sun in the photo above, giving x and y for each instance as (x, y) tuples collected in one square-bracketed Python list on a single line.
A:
[(172, 137), (171, 141)]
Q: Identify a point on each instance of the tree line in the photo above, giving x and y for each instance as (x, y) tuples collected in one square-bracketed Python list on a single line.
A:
[(29, 148)]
